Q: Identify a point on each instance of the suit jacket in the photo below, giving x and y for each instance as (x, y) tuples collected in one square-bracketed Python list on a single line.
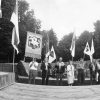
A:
[(60, 70), (45, 72), (91, 68)]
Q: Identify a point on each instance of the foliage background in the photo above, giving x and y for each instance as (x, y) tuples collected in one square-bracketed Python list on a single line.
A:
[(29, 22)]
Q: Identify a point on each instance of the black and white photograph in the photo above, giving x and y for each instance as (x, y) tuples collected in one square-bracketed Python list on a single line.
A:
[(49, 49)]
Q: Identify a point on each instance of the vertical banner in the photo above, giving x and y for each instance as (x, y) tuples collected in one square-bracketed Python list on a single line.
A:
[(33, 45)]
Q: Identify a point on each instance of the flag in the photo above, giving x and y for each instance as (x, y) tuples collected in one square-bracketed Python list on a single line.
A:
[(87, 49), (91, 57), (15, 40), (92, 48), (72, 49), (15, 31), (92, 51), (52, 55), (47, 47), (0, 10)]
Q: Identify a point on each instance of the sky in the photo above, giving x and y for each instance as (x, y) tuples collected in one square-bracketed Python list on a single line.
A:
[(65, 16)]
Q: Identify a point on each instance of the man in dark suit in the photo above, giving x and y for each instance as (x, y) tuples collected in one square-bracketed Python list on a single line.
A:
[(81, 74), (45, 67), (60, 69)]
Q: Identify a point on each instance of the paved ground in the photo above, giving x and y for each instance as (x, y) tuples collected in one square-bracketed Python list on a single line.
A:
[(20, 91)]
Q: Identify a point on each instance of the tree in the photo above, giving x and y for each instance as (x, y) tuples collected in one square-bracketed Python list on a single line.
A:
[(7, 7), (52, 41), (32, 24), (85, 37), (97, 38), (23, 7), (65, 44), (52, 38), (6, 26), (64, 47), (27, 22)]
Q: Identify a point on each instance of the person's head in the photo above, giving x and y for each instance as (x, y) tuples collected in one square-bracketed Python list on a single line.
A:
[(46, 59), (34, 59), (60, 59), (81, 60)]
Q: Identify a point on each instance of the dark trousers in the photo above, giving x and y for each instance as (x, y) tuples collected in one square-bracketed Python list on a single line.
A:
[(45, 77), (81, 76), (32, 76), (92, 77), (99, 76), (45, 80), (59, 76)]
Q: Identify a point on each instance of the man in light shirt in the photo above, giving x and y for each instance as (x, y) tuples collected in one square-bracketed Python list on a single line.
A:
[(33, 70)]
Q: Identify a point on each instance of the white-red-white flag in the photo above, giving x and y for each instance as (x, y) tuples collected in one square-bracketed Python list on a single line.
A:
[(15, 40), (87, 49), (92, 48), (0, 10), (92, 51), (52, 55), (15, 31), (72, 48)]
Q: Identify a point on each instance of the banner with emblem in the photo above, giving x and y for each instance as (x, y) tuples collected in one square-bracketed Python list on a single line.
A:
[(87, 49), (33, 45), (52, 55)]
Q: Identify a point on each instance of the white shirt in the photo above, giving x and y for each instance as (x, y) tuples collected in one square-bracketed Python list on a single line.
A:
[(46, 64), (70, 70), (33, 65)]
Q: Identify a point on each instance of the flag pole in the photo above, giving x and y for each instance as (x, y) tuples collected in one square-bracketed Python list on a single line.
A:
[(83, 56), (72, 58), (13, 59), (24, 58), (47, 45)]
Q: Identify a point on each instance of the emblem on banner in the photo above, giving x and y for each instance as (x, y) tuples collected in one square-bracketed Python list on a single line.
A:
[(52, 54), (34, 42)]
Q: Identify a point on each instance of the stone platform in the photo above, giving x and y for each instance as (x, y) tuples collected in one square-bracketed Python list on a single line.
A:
[(6, 79), (20, 91)]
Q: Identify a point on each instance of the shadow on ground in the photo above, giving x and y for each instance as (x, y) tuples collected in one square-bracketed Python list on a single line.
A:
[(52, 82)]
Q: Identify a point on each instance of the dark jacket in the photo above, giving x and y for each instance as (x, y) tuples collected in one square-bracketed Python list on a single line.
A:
[(44, 71), (61, 70), (91, 68)]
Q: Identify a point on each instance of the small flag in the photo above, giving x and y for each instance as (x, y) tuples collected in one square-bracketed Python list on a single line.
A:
[(72, 49), (15, 31), (52, 55), (0, 10), (87, 49), (92, 48), (92, 51)]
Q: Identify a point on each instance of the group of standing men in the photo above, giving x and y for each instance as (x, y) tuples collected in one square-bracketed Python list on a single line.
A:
[(61, 69), (46, 67)]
